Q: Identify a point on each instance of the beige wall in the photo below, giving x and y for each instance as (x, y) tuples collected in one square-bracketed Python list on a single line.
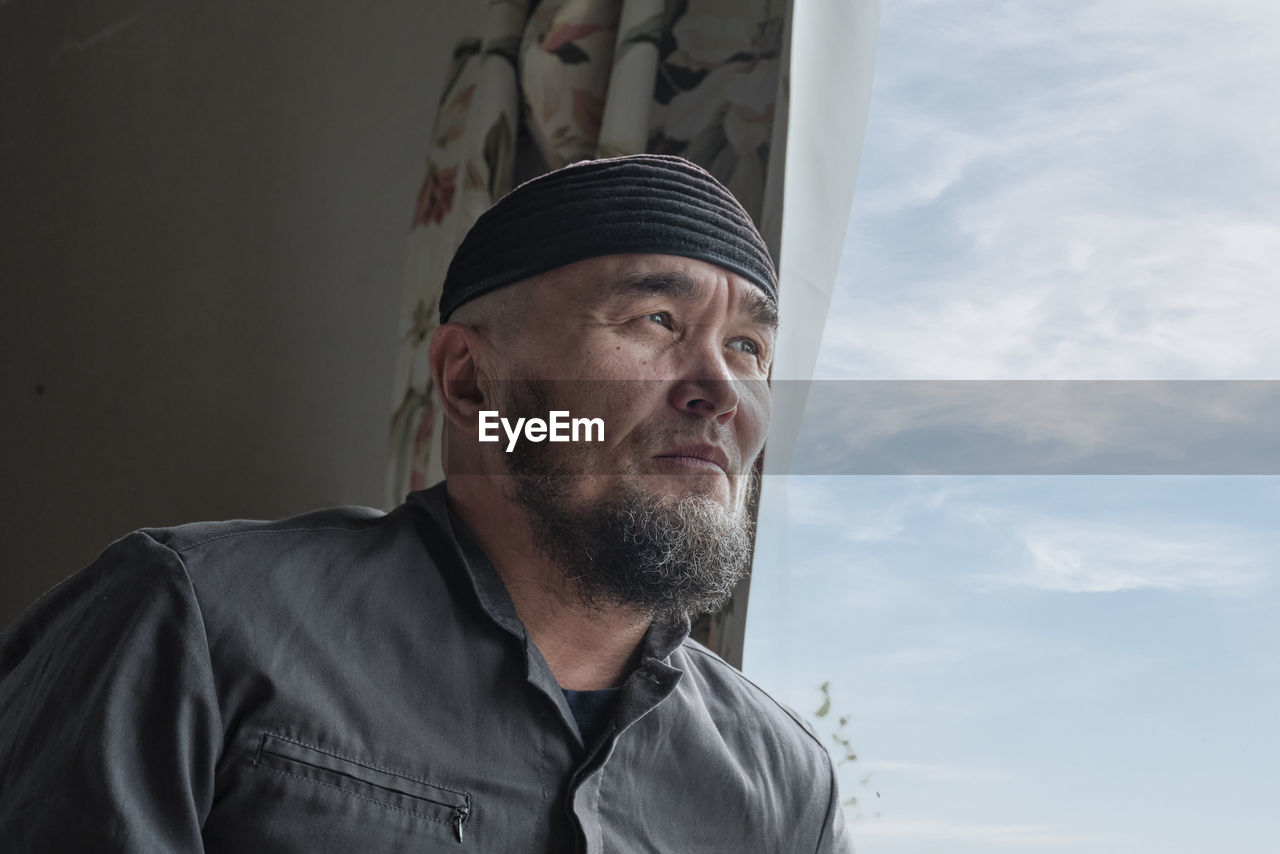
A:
[(202, 239)]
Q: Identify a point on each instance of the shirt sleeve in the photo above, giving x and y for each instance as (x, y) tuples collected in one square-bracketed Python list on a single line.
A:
[(109, 722), (835, 838)]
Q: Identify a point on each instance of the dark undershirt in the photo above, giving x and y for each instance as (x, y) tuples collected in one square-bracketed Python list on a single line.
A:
[(593, 711)]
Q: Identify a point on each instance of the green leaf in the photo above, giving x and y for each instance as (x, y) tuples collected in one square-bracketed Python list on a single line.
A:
[(823, 709)]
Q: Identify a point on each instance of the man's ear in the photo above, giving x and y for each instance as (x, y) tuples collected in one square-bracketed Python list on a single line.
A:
[(455, 372)]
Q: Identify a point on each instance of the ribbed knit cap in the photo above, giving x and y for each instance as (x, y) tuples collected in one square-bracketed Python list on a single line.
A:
[(645, 203)]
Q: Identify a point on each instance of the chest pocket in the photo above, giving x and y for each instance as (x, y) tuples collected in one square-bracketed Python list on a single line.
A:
[(341, 792)]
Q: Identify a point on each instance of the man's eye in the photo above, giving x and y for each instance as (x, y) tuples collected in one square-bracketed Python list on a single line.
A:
[(660, 317), (746, 345)]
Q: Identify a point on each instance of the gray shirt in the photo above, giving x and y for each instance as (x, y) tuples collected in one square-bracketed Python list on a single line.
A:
[(353, 681)]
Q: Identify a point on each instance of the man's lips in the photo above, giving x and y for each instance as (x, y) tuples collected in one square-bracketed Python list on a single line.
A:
[(697, 457)]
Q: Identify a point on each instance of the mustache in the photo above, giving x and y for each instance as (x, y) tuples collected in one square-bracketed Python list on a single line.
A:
[(717, 445), (535, 398)]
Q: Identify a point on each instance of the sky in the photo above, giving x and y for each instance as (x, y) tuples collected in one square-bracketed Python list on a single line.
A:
[(1027, 660)]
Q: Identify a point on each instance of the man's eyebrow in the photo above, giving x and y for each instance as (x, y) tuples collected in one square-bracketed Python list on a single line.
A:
[(763, 311), (760, 308), (674, 285)]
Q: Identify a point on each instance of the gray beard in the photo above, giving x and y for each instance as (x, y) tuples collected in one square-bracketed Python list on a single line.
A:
[(665, 557)]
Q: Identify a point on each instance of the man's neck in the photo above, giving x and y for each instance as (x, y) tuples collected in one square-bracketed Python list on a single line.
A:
[(586, 648)]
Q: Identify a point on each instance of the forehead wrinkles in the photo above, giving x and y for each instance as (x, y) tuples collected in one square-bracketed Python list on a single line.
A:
[(670, 283), (681, 286)]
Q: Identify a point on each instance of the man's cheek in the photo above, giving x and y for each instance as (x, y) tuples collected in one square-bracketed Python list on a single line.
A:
[(758, 410), (623, 404)]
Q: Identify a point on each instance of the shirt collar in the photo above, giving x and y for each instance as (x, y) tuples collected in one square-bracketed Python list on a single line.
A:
[(483, 578), (662, 638)]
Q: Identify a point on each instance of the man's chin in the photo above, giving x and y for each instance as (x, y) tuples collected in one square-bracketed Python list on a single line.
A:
[(671, 489), (659, 545)]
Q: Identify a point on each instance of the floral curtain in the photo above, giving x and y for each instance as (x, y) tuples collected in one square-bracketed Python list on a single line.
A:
[(581, 79)]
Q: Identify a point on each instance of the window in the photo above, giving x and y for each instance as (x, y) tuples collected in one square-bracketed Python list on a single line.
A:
[(1065, 640)]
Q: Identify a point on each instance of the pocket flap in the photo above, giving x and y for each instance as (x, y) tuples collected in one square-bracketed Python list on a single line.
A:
[(388, 788)]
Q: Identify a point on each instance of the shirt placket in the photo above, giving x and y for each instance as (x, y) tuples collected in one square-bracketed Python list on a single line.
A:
[(642, 693)]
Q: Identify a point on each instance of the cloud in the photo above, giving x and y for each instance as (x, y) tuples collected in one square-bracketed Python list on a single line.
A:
[(1057, 534), (827, 505), (933, 772), (818, 503), (1093, 557), (1022, 427), (1069, 190), (993, 834), (922, 658)]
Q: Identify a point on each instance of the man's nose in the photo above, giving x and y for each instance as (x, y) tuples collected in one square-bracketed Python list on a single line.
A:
[(707, 388)]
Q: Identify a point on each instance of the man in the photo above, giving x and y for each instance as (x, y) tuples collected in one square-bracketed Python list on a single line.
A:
[(501, 664)]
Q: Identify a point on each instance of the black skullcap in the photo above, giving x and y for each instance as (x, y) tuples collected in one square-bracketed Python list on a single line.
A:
[(647, 203)]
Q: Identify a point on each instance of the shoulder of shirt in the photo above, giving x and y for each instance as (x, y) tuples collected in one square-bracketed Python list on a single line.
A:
[(350, 520), (772, 712)]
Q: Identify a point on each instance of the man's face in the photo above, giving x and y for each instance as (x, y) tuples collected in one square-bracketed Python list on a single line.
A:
[(672, 353)]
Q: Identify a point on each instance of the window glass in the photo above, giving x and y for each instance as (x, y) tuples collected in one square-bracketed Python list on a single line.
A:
[(1064, 638)]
